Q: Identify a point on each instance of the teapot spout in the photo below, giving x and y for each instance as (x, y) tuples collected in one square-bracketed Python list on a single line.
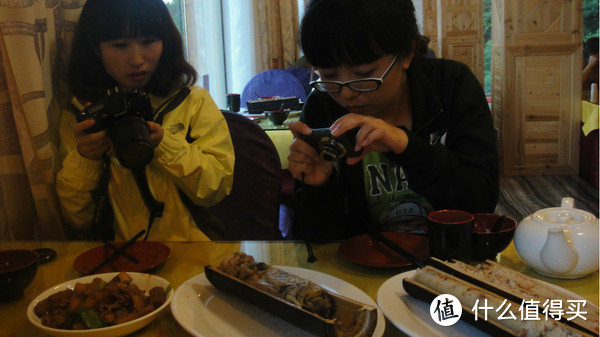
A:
[(558, 254)]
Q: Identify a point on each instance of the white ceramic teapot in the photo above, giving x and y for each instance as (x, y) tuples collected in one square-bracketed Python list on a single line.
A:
[(559, 241)]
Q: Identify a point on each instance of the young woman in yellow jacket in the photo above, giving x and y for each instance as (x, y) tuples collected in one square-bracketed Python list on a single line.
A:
[(129, 51)]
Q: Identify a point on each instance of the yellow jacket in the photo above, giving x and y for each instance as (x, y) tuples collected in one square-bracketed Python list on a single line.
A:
[(203, 170)]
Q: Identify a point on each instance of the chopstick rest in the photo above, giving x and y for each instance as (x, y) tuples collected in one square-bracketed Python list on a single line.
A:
[(115, 253), (391, 244)]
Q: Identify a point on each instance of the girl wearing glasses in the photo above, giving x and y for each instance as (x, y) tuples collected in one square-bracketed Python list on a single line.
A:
[(423, 126)]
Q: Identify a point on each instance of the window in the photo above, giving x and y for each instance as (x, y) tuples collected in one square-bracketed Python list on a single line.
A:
[(220, 37)]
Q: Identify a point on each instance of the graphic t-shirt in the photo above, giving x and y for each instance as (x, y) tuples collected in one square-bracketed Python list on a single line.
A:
[(392, 204)]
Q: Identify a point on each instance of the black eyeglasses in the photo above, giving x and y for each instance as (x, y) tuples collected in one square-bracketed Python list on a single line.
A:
[(363, 84)]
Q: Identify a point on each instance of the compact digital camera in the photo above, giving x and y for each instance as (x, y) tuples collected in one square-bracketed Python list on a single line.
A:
[(124, 114), (332, 148)]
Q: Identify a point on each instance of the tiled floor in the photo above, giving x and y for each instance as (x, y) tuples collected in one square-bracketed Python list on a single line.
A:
[(523, 195)]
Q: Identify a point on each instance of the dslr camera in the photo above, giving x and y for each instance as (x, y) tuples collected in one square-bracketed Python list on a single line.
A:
[(124, 114), (332, 148)]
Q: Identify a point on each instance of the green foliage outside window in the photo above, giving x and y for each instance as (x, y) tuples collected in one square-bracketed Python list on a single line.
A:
[(590, 19)]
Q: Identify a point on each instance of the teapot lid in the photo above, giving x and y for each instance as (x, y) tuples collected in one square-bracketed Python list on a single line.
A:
[(561, 216)]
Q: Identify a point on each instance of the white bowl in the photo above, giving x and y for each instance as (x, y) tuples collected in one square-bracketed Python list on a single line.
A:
[(143, 281)]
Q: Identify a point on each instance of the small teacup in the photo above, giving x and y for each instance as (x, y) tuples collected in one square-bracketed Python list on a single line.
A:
[(277, 117), (233, 102), (449, 233)]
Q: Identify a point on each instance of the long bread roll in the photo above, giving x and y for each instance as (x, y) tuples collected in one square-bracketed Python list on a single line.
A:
[(430, 279), (518, 287)]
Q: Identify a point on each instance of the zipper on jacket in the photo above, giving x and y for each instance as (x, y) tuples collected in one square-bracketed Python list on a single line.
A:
[(430, 121)]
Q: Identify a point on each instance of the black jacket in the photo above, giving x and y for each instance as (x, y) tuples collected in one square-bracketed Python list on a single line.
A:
[(462, 173)]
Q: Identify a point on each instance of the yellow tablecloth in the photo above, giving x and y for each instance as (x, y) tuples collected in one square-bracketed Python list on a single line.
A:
[(282, 140), (280, 135), (589, 117), (189, 258)]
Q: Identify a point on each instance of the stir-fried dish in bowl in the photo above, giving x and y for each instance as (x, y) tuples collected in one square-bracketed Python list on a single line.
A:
[(111, 304)]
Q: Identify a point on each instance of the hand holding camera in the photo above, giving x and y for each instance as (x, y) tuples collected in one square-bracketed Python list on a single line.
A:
[(124, 115), (332, 148)]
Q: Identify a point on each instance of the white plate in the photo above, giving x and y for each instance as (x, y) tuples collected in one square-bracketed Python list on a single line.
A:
[(204, 311), (411, 315), (143, 281)]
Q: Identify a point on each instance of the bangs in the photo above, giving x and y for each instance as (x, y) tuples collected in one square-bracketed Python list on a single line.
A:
[(336, 36), (129, 19), (339, 45), (349, 32)]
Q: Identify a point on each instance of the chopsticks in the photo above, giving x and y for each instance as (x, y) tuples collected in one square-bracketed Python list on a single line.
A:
[(122, 252), (311, 256), (498, 223), (383, 239), (117, 252)]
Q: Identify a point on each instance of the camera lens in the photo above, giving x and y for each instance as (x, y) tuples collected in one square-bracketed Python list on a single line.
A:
[(332, 151), (131, 139)]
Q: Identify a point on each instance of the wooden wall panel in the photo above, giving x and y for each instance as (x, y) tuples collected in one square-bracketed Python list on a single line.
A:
[(460, 33), (430, 23), (455, 30), (536, 86)]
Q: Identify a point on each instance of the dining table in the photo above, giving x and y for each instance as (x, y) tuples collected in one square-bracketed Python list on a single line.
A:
[(188, 259), (280, 134)]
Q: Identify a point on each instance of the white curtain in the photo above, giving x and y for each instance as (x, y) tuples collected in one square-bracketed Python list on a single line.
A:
[(220, 38), (230, 41), (34, 35)]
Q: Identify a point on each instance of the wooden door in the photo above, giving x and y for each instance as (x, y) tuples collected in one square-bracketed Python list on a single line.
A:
[(460, 33), (536, 84), (455, 29)]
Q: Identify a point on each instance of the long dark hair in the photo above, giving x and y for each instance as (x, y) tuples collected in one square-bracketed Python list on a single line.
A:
[(105, 20), (352, 32)]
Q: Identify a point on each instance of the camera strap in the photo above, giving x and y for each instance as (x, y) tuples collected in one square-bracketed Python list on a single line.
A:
[(103, 216), (171, 104), (155, 207), (102, 222)]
